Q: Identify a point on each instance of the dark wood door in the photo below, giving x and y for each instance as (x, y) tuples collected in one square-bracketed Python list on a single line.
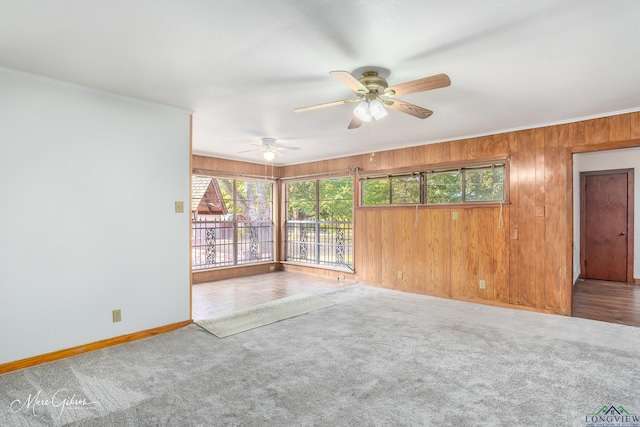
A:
[(606, 225)]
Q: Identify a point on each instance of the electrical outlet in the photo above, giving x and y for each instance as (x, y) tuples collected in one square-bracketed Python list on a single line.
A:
[(272, 268), (117, 315), (455, 216), (399, 274), (340, 276), (179, 207), (483, 284)]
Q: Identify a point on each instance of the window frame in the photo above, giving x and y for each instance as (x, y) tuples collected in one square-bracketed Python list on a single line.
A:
[(318, 224), (236, 224), (423, 172)]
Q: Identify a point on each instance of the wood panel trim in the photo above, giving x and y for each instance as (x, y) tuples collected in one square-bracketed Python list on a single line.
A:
[(430, 166), (74, 351), (630, 222), (310, 270), (211, 275), (468, 205), (190, 247), (477, 300), (611, 145)]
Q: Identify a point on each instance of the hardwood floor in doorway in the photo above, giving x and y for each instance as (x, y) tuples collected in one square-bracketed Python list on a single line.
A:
[(212, 299), (613, 302)]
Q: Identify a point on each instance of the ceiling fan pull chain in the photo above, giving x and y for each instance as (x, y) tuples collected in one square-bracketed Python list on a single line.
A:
[(373, 124)]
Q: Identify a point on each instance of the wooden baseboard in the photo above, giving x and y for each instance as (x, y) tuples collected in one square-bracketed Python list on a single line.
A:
[(319, 271), (476, 300), (232, 272), (61, 354)]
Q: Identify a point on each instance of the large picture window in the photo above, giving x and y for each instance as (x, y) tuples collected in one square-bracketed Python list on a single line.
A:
[(319, 224), (232, 222), (470, 184)]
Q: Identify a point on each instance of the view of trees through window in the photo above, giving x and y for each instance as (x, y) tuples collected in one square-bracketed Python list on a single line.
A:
[(319, 226), (484, 185), (233, 218), (232, 222), (464, 185), (444, 187)]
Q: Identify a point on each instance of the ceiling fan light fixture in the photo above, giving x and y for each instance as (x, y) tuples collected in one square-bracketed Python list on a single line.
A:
[(377, 110), (269, 155), (362, 111)]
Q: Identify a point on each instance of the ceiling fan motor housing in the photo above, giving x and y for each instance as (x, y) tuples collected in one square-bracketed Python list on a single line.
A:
[(373, 82), (268, 142)]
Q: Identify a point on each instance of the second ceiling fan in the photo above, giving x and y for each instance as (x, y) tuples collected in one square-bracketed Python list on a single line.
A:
[(374, 94)]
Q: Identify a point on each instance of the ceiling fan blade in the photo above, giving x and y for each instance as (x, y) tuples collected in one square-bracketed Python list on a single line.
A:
[(280, 147), (405, 107), (420, 85), (348, 79), (248, 151), (355, 123), (326, 104)]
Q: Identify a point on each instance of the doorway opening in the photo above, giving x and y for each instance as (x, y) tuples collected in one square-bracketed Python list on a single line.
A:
[(605, 261), (606, 225)]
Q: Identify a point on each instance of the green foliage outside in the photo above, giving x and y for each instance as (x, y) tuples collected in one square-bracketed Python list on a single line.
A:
[(480, 185), (253, 199), (484, 185), (405, 190), (376, 192), (397, 190), (335, 200), (444, 187)]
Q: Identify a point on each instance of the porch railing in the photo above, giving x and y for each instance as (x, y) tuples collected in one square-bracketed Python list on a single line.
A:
[(228, 243), (322, 243)]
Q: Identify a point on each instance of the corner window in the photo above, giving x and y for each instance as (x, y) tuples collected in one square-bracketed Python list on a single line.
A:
[(231, 222)]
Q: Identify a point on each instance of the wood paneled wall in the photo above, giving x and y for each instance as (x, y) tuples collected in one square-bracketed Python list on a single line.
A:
[(233, 166), (526, 262), (524, 255)]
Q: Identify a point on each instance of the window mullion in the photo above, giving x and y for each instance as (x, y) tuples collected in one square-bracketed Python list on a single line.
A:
[(463, 185), (317, 238), (235, 222)]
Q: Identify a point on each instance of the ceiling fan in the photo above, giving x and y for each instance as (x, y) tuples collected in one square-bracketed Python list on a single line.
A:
[(270, 148), (374, 95)]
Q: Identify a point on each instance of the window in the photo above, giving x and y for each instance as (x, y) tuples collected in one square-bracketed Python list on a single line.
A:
[(232, 222), (405, 190), (484, 185), (319, 225), (444, 187), (394, 190), (469, 184)]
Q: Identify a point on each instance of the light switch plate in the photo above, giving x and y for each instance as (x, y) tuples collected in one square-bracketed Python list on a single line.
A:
[(179, 207)]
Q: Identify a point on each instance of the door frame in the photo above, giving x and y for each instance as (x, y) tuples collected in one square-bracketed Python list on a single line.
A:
[(630, 214)]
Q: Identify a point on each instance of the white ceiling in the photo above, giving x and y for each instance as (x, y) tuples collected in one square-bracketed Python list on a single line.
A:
[(242, 66)]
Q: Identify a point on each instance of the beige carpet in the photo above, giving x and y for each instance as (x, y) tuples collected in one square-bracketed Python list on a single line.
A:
[(376, 358), (263, 314)]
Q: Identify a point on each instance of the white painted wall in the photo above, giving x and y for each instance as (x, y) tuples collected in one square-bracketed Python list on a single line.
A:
[(88, 182), (604, 160)]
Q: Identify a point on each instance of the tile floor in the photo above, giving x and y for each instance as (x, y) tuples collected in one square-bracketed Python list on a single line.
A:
[(214, 299)]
